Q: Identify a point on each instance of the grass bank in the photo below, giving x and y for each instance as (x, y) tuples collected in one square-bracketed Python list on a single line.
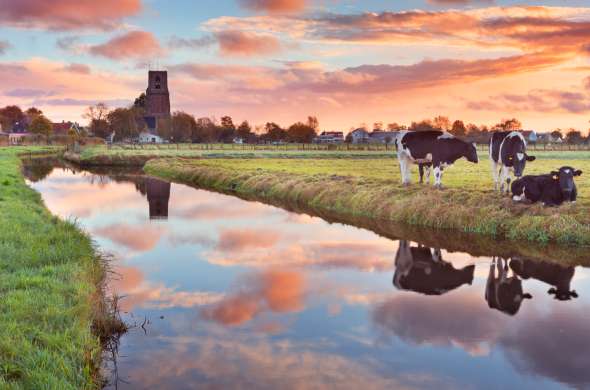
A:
[(371, 188), (50, 286)]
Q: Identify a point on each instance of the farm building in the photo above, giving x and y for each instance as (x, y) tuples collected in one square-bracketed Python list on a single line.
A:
[(359, 136), (382, 137), (329, 137)]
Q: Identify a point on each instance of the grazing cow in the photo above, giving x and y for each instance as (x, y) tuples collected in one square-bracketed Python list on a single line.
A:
[(556, 275), (431, 148), (507, 154), (552, 189), (423, 270), (504, 293)]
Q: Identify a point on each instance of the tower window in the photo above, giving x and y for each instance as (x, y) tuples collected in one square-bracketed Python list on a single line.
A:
[(158, 81)]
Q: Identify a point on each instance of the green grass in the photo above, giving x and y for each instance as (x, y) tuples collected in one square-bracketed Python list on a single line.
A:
[(49, 287), (371, 188)]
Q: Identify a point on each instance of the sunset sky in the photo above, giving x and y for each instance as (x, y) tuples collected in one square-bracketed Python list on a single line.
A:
[(346, 61)]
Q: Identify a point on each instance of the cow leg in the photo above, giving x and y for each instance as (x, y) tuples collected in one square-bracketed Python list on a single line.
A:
[(495, 173), (402, 166), (428, 174), (421, 170), (408, 173), (504, 178), (438, 176)]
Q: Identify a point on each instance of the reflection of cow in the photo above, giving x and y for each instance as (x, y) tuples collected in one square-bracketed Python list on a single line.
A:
[(502, 292), (553, 274), (158, 194), (423, 270)]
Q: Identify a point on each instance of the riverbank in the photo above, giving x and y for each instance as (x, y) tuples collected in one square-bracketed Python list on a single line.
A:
[(370, 188), (51, 285)]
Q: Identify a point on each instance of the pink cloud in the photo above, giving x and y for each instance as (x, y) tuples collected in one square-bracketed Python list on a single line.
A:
[(234, 240), (274, 6), (134, 44), (77, 68), (138, 238), (66, 14), (241, 43)]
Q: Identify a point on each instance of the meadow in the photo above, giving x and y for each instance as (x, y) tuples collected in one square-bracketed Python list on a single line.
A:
[(370, 187), (51, 277)]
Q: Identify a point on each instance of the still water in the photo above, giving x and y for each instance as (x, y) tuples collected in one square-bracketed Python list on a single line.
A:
[(237, 294)]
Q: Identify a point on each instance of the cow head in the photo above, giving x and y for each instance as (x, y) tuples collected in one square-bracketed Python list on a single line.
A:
[(471, 153), (518, 161), (565, 177), (562, 295)]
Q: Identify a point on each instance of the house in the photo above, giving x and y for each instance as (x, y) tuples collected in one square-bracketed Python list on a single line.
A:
[(548, 138), (64, 128), (329, 137), (238, 140), (146, 137), (19, 127), (530, 136), (359, 136), (17, 138), (382, 137)]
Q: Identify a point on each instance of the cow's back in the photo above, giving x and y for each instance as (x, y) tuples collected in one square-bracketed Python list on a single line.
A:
[(495, 142), (420, 143)]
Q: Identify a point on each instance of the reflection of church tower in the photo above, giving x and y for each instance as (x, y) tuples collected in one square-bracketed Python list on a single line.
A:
[(157, 107), (158, 194)]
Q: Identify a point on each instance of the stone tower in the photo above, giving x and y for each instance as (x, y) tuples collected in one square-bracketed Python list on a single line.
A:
[(157, 105)]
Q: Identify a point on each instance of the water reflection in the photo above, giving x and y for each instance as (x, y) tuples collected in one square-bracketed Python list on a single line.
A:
[(244, 295), (422, 269)]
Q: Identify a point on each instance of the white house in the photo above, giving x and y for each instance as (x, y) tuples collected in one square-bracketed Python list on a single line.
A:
[(149, 138)]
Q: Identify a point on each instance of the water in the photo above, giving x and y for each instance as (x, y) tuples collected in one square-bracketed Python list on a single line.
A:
[(237, 294)]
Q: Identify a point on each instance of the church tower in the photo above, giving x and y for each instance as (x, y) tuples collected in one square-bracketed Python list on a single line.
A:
[(157, 100)]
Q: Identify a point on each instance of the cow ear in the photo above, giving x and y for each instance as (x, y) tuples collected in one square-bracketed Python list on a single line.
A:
[(574, 294), (552, 290), (530, 158), (577, 173), (527, 296)]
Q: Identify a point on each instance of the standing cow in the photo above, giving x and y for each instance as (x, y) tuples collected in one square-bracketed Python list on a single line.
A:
[(422, 269), (504, 293), (425, 148), (507, 154)]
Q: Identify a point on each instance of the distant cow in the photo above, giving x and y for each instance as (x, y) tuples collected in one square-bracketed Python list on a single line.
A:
[(556, 275), (437, 148), (504, 293), (423, 270), (507, 154), (552, 189)]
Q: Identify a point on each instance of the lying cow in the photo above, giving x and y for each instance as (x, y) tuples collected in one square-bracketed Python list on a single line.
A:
[(558, 276), (423, 270), (507, 154), (504, 293), (552, 189), (437, 148)]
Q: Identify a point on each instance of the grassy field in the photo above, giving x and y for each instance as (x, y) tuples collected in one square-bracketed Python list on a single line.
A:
[(370, 187), (50, 278)]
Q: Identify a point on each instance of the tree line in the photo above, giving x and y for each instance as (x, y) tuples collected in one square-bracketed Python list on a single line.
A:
[(127, 123)]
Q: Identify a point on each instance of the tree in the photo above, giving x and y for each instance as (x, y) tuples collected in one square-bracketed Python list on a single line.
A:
[(301, 133), (97, 116), (424, 125), (458, 129), (183, 125), (274, 132), (10, 115), (313, 122), (441, 123), (41, 125), (122, 122), (508, 125), (227, 129), (573, 136), (556, 134), (395, 127), (204, 131), (140, 101), (378, 126), (244, 131), (164, 126)]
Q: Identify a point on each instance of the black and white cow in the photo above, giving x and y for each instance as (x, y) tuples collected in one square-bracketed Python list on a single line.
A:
[(556, 275), (422, 269), (552, 189), (507, 154), (504, 293), (431, 148)]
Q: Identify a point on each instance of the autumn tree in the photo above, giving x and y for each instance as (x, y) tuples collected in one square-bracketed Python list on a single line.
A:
[(183, 125), (10, 115), (41, 125), (574, 136), (395, 126), (458, 129), (423, 125), (508, 125), (378, 126), (122, 122), (97, 118), (204, 131), (274, 132), (227, 129), (441, 123), (556, 134), (301, 133), (312, 121), (244, 131)]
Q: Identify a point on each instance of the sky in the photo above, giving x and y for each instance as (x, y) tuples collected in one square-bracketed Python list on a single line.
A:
[(348, 62)]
